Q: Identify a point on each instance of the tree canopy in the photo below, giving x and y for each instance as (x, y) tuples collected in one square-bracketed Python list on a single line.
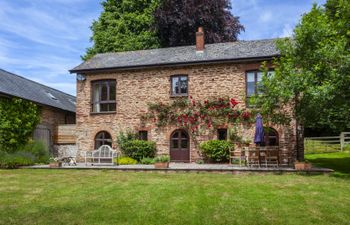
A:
[(176, 21), (313, 73), (124, 25)]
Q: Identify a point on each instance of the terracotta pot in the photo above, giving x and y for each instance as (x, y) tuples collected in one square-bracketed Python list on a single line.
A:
[(55, 164), (302, 166), (161, 165)]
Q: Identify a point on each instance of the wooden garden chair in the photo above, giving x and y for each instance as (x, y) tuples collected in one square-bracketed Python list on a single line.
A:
[(253, 157), (272, 156), (237, 155)]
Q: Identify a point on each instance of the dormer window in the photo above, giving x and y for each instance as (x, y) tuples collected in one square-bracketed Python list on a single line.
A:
[(179, 85), (103, 96)]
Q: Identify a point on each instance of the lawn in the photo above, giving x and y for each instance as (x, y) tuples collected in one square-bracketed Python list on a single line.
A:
[(111, 197), (338, 161)]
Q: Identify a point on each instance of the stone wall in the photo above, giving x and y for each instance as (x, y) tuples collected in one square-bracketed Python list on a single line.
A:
[(66, 150), (137, 88), (51, 117)]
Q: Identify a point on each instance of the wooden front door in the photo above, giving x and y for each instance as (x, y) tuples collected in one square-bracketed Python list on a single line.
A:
[(180, 146)]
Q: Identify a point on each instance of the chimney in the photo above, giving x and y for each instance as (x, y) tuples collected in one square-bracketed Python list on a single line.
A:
[(200, 40)]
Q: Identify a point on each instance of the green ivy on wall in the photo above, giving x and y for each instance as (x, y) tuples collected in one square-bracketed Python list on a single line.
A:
[(18, 119)]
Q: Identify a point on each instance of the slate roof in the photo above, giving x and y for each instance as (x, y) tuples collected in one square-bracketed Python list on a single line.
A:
[(230, 51), (14, 85)]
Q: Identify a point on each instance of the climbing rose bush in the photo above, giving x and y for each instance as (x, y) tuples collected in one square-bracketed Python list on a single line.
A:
[(194, 115)]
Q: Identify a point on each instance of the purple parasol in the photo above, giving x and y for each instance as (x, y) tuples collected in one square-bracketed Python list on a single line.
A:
[(259, 130)]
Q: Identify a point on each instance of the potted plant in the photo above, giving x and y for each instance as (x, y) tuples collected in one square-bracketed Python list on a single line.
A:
[(302, 165), (234, 137), (246, 142), (55, 163), (161, 162)]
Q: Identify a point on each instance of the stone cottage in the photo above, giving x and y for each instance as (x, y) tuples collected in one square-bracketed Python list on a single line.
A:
[(114, 89), (57, 108)]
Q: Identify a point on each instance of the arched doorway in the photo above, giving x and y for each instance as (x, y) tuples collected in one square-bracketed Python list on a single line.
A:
[(103, 138), (271, 137), (180, 146)]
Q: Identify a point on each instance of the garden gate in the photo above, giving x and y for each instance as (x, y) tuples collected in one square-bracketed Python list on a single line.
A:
[(43, 134)]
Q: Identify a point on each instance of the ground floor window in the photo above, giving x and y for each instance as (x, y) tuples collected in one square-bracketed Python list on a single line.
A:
[(222, 134), (143, 135), (103, 138)]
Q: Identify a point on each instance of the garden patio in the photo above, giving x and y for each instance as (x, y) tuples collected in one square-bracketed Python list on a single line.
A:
[(189, 167)]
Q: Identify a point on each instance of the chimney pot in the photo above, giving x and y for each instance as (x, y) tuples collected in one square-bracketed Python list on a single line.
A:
[(200, 39)]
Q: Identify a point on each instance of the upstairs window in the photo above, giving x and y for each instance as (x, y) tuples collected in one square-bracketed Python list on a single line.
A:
[(253, 78), (179, 85), (103, 96)]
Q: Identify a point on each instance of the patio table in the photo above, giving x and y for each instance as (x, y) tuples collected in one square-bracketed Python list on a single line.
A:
[(261, 154)]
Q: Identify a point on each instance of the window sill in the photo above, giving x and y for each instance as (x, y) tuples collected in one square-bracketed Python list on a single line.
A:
[(178, 96), (103, 113)]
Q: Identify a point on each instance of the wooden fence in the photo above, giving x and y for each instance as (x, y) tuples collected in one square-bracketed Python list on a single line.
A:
[(344, 139), (327, 144)]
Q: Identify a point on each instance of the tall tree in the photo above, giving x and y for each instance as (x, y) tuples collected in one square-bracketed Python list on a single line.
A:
[(124, 25), (176, 21), (313, 73)]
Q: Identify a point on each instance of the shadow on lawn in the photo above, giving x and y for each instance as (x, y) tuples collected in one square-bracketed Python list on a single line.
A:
[(340, 165)]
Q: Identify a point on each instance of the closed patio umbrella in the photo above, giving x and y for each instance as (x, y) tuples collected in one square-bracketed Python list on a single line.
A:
[(259, 130)]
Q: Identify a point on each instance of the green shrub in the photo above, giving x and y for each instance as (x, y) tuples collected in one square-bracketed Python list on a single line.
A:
[(139, 149), (125, 161), (39, 150), (346, 147), (199, 161), (14, 160), (124, 137), (162, 159), (216, 150), (147, 161)]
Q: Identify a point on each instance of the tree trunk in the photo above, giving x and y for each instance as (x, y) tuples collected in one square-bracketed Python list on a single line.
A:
[(299, 126)]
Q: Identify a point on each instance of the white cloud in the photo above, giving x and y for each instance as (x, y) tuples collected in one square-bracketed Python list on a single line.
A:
[(268, 19), (287, 31), (51, 28), (266, 16), (42, 40)]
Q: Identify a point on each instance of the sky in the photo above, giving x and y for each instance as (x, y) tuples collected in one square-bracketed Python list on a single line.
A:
[(41, 40)]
